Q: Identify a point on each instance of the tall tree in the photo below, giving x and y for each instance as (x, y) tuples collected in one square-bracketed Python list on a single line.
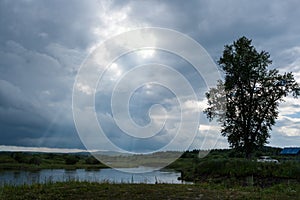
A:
[(246, 102)]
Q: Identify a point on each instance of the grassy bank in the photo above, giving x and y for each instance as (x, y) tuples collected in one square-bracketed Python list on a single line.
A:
[(84, 190), (226, 167), (38, 161)]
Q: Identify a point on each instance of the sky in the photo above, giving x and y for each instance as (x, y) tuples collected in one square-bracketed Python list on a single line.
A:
[(44, 43)]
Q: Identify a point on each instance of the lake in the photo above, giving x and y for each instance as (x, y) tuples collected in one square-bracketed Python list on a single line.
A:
[(101, 175)]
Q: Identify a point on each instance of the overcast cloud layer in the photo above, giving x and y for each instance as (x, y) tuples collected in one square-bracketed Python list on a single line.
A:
[(43, 43)]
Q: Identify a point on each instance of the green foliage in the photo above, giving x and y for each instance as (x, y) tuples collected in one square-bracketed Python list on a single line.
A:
[(6, 158), (190, 154), (71, 159), (236, 171), (21, 157), (91, 160), (229, 167), (246, 103), (35, 161)]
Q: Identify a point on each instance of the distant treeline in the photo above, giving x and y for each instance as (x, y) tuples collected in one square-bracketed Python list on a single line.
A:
[(274, 152), (33, 160)]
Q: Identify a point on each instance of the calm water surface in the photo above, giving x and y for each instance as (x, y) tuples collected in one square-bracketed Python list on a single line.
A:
[(102, 175)]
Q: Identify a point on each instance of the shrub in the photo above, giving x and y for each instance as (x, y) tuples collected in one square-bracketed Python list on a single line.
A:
[(35, 161), (71, 160), (91, 160)]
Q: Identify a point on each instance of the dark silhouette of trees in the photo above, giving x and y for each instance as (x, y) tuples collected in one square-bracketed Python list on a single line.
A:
[(71, 159), (246, 102), (91, 160)]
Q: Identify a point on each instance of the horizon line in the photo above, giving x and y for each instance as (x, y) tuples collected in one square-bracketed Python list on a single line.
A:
[(13, 148)]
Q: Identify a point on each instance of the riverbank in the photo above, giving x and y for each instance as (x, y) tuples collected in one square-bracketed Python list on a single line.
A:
[(86, 190), (217, 166), (39, 161)]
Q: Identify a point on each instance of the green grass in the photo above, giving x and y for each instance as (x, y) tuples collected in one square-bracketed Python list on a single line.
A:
[(85, 190)]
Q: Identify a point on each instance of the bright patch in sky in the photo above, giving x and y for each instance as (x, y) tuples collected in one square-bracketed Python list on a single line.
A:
[(146, 53)]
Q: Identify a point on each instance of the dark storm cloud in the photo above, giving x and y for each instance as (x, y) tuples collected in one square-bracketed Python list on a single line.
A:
[(34, 24), (24, 123), (39, 57)]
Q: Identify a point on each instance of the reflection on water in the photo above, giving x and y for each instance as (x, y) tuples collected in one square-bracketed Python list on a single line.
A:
[(103, 175)]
